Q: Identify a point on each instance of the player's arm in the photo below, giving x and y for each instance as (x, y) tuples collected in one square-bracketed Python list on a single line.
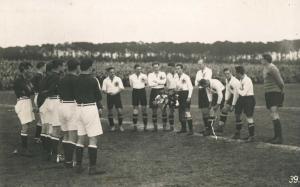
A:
[(236, 87), (120, 85), (208, 74), (209, 96), (277, 77), (162, 79), (98, 94), (130, 81), (190, 88), (104, 86), (247, 85), (151, 81), (197, 79)]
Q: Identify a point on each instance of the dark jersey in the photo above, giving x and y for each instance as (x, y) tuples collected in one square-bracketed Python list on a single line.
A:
[(22, 87), (52, 82), (66, 87), (87, 90), (36, 80)]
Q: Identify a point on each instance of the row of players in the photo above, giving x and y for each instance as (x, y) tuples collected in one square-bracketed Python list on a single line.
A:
[(71, 103)]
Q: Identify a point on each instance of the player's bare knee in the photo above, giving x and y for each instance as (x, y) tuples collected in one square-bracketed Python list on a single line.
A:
[(135, 111), (93, 140), (250, 120)]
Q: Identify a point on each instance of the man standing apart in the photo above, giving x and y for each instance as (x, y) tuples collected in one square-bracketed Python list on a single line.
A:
[(274, 96), (138, 81), (185, 89), (203, 103), (88, 97), (112, 86), (157, 81)]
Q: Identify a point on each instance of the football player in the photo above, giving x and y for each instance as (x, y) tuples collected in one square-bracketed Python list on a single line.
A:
[(274, 94), (157, 81), (184, 89), (24, 90), (203, 103), (112, 86), (245, 104), (231, 96), (138, 81), (88, 98)]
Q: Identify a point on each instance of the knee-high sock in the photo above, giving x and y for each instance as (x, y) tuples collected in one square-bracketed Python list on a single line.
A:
[(79, 153), (277, 128), (24, 141), (38, 131), (238, 125), (171, 119), (92, 150), (206, 123), (43, 139), (145, 119), (134, 118), (111, 120), (164, 118), (223, 117), (54, 145), (251, 129), (154, 118), (190, 124), (120, 119)]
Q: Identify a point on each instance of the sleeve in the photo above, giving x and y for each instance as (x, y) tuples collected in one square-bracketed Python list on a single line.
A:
[(197, 79), (146, 80), (98, 93), (209, 95), (277, 77), (190, 87), (16, 87), (130, 81), (246, 85), (150, 81), (227, 92), (121, 86), (104, 86), (162, 79), (236, 86), (219, 92)]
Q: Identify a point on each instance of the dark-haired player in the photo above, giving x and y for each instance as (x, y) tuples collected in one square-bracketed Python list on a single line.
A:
[(203, 103), (24, 90), (184, 89), (112, 86), (88, 97), (245, 104), (36, 81), (157, 81), (68, 110), (215, 93), (172, 77), (138, 81), (231, 96), (274, 95)]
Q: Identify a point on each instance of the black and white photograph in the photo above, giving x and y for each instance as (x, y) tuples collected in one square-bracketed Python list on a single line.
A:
[(149, 93)]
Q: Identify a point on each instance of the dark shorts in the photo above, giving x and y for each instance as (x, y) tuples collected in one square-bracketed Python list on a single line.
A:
[(114, 101), (245, 104), (172, 98), (139, 97), (153, 93), (215, 99), (182, 97), (202, 98), (274, 99)]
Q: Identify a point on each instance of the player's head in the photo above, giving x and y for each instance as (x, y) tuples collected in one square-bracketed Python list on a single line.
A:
[(110, 71), (171, 67), (266, 59), (40, 66), (204, 83), (137, 68), (57, 66), (179, 68), (201, 64), (86, 64), (227, 73), (73, 66), (240, 71), (25, 68), (155, 66)]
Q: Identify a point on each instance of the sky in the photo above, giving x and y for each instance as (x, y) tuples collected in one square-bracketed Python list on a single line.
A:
[(35, 22)]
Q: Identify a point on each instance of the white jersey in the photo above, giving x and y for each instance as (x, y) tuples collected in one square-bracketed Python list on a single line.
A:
[(246, 87), (206, 73), (138, 81), (232, 87), (215, 87), (184, 83), (112, 86), (157, 80), (171, 80)]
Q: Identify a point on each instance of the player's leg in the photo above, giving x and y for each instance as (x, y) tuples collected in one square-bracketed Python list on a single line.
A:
[(111, 119), (249, 111), (154, 118), (79, 149), (171, 117), (164, 116), (24, 140), (55, 139), (120, 118), (206, 121), (135, 114), (276, 125), (189, 119), (182, 119), (223, 118), (145, 117)]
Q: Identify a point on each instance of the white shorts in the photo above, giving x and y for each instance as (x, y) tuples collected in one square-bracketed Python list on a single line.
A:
[(44, 113), (24, 111), (89, 121), (68, 116), (53, 107)]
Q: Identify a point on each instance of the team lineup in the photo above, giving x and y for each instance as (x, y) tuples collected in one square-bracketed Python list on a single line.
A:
[(68, 104)]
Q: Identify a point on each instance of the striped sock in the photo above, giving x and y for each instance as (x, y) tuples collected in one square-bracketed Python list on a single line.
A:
[(92, 150)]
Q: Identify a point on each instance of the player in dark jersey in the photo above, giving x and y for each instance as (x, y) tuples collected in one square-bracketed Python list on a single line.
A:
[(36, 80), (24, 90), (88, 97), (68, 111), (274, 94)]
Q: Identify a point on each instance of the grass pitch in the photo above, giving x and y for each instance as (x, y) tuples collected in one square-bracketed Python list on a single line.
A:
[(165, 158)]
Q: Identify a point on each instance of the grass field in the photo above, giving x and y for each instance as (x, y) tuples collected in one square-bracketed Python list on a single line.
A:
[(165, 158)]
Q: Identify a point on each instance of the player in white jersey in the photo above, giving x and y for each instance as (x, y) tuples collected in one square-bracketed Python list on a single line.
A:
[(231, 96), (156, 81), (203, 103), (138, 82)]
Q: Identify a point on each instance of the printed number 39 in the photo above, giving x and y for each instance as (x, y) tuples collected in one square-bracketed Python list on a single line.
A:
[(294, 179)]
